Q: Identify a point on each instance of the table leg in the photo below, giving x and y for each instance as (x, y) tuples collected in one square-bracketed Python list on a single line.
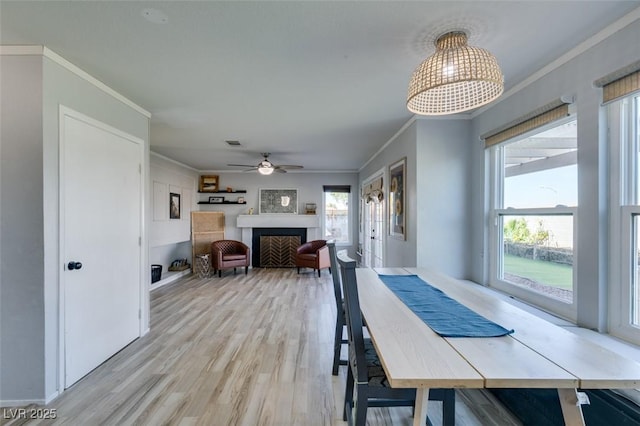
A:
[(420, 411), (571, 408)]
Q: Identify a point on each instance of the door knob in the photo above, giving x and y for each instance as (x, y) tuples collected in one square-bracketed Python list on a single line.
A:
[(74, 265)]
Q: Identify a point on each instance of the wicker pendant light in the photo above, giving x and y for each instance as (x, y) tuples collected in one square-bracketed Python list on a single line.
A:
[(456, 78)]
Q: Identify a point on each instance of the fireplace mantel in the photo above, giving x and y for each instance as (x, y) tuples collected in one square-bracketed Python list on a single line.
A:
[(278, 221)]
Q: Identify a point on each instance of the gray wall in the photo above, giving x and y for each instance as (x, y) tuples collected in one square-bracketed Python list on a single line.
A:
[(437, 194), (398, 252), (576, 77), (29, 365), (22, 344), (443, 195)]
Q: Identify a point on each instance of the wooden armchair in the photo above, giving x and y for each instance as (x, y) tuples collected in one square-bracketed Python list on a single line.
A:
[(229, 254), (313, 254)]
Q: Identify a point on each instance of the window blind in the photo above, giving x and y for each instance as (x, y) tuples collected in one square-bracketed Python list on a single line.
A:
[(336, 188), (542, 116), (620, 83)]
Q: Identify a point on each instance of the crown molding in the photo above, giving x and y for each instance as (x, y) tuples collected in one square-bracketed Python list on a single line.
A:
[(18, 50), (607, 32)]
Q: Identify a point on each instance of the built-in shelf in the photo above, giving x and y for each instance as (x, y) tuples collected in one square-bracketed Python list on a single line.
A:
[(239, 191), (224, 202)]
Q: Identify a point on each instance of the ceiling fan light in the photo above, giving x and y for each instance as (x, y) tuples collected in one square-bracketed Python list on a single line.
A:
[(265, 169), (456, 78)]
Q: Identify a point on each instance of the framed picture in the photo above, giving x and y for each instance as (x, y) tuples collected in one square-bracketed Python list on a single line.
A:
[(209, 183), (216, 200), (278, 201), (397, 215), (174, 205)]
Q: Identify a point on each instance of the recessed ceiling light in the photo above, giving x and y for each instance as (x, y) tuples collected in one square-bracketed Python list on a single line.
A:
[(155, 15)]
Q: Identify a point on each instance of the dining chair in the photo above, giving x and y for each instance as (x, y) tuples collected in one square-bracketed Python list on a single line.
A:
[(365, 373), (341, 322)]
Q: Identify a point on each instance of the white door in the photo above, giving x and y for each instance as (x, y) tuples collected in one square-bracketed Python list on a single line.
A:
[(373, 235), (101, 199)]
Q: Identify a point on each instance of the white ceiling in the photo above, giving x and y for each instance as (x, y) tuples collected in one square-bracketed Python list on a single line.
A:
[(320, 84)]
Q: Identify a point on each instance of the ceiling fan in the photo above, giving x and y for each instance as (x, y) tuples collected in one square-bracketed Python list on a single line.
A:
[(266, 167)]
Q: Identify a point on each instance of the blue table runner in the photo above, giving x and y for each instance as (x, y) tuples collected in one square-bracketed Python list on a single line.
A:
[(442, 314)]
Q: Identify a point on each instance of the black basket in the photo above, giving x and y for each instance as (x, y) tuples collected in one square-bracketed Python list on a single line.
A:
[(156, 273)]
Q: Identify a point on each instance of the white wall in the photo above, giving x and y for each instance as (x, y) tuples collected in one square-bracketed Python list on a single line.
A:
[(575, 77), (170, 239), (309, 186)]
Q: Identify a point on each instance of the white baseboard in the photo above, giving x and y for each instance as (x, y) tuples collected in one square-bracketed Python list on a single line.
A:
[(170, 278)]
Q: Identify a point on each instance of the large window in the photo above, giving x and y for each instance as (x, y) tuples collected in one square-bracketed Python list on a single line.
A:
[(535, 200), (336, 217), (624, 118)]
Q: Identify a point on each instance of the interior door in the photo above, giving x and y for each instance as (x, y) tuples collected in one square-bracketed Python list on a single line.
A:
[(373, 248), (101, 204)]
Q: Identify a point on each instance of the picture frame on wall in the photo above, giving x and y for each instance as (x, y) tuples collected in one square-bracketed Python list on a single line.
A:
[(209, 183), (397, 199), (278, 201), (174, 205), (216, 200)]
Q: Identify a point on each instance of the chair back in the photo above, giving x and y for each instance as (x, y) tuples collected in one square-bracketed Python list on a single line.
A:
[(335, 274), (357, 360), (229, 246)]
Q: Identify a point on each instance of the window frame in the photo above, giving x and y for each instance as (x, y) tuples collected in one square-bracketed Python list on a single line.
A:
[(624, 206), (496, 211), (349, 242)]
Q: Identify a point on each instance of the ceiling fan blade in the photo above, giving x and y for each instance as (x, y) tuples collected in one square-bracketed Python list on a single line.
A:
[(279, 170), (289, 167), (242, 165)]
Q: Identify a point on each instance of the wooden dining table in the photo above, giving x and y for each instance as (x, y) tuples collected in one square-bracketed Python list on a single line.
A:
[(538, 354)]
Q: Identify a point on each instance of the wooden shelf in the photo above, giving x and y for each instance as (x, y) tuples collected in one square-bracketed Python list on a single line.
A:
[(239, 191), (224, 202)]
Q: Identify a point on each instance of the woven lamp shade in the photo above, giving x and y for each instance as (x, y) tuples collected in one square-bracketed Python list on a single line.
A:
[(456, 78)]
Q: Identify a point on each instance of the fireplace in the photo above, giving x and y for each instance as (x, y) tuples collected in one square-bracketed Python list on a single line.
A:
[(275, 247), (305, 226)]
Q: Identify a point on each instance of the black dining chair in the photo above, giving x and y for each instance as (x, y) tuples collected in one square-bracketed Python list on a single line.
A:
[(365, 371), (341, 322)]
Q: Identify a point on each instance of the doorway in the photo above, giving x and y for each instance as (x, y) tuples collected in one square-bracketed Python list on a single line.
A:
[(373, 227)]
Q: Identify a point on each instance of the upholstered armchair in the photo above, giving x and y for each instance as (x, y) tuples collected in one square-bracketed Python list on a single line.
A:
[(229, 254), (313, 254)]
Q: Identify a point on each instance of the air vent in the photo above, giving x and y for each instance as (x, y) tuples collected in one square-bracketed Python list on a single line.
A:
[(233, 143)]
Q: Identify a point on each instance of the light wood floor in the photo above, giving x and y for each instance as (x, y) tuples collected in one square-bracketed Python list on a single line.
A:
[(254, 350)]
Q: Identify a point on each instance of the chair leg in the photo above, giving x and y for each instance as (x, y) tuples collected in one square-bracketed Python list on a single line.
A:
[(246, 270), (234, 271), (298, 269), (219, 273), (449, 408), (318, 271), (337, 346), (348, 394), (361, 406)]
